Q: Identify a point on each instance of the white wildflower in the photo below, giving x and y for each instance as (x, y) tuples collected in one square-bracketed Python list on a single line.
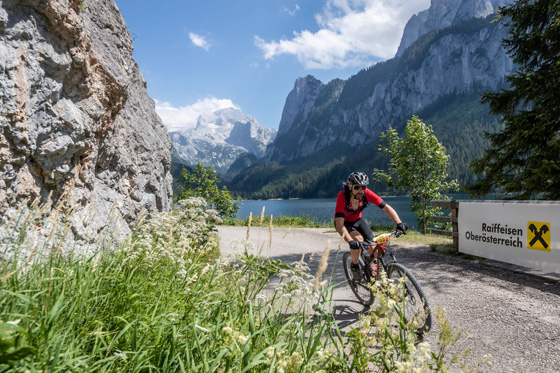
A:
[(270, 353), (242, 339), (365, 323), (424, 350)]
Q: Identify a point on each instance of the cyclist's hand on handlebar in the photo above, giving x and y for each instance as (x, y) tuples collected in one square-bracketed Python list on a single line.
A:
[(355, 245), (402, 227)]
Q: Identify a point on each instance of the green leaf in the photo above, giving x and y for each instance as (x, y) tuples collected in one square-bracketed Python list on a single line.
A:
[(418, 165)]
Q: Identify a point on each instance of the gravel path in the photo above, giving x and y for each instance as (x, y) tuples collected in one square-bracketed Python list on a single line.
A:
[(513, 316)]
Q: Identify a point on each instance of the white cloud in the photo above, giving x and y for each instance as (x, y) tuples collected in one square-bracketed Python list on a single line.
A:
[(199, 41), (292, 12), (185, 118), (352, 33)]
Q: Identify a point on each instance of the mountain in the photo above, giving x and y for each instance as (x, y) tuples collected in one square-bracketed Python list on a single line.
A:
[(444, 13), (219, 138), (449, 55), (76, 119)]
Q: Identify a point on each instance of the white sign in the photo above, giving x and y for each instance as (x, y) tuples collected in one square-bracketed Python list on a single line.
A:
[(522, 233)]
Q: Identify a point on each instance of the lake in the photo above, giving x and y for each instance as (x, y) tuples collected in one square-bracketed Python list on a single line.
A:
[(322, 209)]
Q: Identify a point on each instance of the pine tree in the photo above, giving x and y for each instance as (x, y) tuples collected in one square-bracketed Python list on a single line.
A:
[(524, 157)]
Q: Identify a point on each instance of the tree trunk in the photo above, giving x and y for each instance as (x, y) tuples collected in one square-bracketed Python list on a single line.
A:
[(423, 215)]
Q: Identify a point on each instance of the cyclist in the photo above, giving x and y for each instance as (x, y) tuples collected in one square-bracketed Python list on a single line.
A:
[(350, 203)]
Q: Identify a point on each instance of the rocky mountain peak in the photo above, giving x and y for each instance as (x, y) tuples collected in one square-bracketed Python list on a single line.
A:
[(219, 138), (299, 101), (444, 13)]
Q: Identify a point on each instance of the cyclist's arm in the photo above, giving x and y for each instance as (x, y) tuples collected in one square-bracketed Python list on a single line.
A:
[(341, 229), (339, 213), (392, 214)]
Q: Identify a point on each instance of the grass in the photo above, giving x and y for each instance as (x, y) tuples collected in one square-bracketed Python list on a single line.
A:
[(303, 221), (163, 300), (421, 239), (306, 221)]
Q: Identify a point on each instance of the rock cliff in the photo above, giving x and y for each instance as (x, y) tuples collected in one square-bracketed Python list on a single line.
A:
[(75, 115), (300, 100), (444, 13)]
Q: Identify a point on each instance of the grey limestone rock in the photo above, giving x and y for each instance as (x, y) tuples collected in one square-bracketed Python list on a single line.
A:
[(75, 115), (444, 13)]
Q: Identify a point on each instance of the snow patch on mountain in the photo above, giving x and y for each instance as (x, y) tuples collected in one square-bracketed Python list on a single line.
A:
[(219, 137)]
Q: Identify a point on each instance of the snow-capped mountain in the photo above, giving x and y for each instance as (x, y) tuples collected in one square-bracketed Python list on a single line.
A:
[(219, 138)]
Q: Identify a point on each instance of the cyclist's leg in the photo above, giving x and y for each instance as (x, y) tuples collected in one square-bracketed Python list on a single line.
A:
[(356, 236), (366, 233)]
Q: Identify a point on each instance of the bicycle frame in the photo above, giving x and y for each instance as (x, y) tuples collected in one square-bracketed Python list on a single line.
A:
[(381, 243)]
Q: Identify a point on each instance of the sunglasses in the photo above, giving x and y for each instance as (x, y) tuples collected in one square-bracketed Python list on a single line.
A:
[(358, 187)]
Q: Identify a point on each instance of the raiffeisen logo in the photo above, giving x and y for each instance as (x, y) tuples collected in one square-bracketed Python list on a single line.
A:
[(491, 233), (538, 236)]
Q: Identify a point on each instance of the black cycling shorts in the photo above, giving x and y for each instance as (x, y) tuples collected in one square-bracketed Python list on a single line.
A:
[(361, 227)]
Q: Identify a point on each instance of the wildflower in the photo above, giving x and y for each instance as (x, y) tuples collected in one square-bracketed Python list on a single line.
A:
[(365, 323), (242, 339), (213, 214), (270, 353), (321, 355), (424, 350), (403, 367)]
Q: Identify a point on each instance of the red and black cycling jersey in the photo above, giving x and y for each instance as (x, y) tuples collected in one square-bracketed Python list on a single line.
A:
[(344, 210)]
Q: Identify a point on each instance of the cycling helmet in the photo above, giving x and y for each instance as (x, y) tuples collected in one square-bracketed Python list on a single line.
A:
[(358, 178)]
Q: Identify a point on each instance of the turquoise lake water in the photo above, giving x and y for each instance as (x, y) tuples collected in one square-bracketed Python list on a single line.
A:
[(322, 209)]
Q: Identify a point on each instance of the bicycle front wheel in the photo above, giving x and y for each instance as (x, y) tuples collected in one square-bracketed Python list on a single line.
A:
[(359, 286), (414, 303)]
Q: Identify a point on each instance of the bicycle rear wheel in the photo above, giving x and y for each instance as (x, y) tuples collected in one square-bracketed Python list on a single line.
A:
[(359, 286), (416, 308)]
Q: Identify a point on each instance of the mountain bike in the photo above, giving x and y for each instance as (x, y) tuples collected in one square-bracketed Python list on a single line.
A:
[(416, 305)]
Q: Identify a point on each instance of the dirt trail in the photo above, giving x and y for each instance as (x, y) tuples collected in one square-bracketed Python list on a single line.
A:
[(513, 316)]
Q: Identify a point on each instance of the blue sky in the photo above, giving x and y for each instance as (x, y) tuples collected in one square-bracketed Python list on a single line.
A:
[(204, 55)]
